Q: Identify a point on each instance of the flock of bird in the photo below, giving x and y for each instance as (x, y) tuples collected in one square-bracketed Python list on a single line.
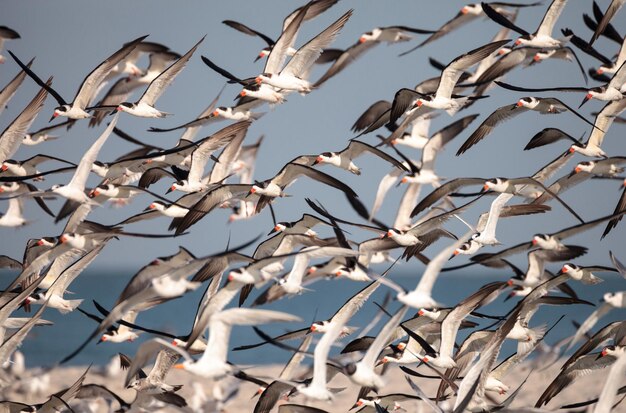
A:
[(417, 329)]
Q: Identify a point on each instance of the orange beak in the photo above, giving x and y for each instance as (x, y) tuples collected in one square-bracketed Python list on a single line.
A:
[(311, 270), (258, 80), (4, 167), (174, 343), (40, 243), (230, 277), (420, 313), (95, 192), (63, 239), (456, 252), (119, 109), (359, 403), (518, 42), (534, 241), (501, 52), (571, 150), (519, 104), (104, 338), (277, 228), (464, 10), (216, 113), (313, 328), (338, 273), (362, 39), (536, 58), (577, 169), (589, 96), (173, 188), (425, 359), (252, 190), (179, 367), (486, 187), (152, 206), (242, 93), (389, 234), (510, 283), (404, 180), (419, 103), (564, 269), (54, 115), (599, 71)]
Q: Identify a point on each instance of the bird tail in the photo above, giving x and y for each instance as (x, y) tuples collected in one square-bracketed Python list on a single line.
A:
[(534, 335), (71, 306)]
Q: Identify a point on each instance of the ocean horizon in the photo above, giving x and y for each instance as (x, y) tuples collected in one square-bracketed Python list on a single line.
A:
[(45, 346)]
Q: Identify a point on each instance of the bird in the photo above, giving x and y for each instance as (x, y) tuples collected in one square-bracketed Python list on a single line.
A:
[(144, 107), (468, 13), (13, 135), (450, 75), (344, 158), (213, 364), (608, 15), (313, 10), (293, 76), (6, 33), (542, 105), (542, 37), (7, 93), (77, 108)]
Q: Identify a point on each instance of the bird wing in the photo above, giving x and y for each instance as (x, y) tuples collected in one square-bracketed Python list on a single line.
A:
[(442, 137), (591, 321), (501, 19), (370, 115), (162, 81), (302, 61), (353, 305), (12, 136), (383, 338), (454, 23), (498, 116), (494, 213), (84, 167), (453, 71), (604, 22), (433, 269), (347, 57), (210, 201), (314, 9), (604, 120), (549, 19), (74, 270), (287, 38), (357, 148), (9, 90), (292, 171), (240, 27), (201, 155), (444, 190), (92, 81)]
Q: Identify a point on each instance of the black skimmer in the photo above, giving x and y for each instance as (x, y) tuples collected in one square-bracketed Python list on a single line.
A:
[(144, 107), (77, 108)]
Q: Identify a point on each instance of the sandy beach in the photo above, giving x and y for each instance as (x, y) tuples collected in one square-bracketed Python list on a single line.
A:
[(585, 388)]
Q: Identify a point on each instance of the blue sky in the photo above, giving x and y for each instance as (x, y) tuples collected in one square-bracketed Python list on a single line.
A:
[(70, 38)]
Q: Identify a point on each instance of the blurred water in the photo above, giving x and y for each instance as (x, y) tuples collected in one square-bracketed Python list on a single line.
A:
[(45, 346)]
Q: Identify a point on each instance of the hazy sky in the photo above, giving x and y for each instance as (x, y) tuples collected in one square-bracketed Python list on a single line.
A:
[(70, 38)]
